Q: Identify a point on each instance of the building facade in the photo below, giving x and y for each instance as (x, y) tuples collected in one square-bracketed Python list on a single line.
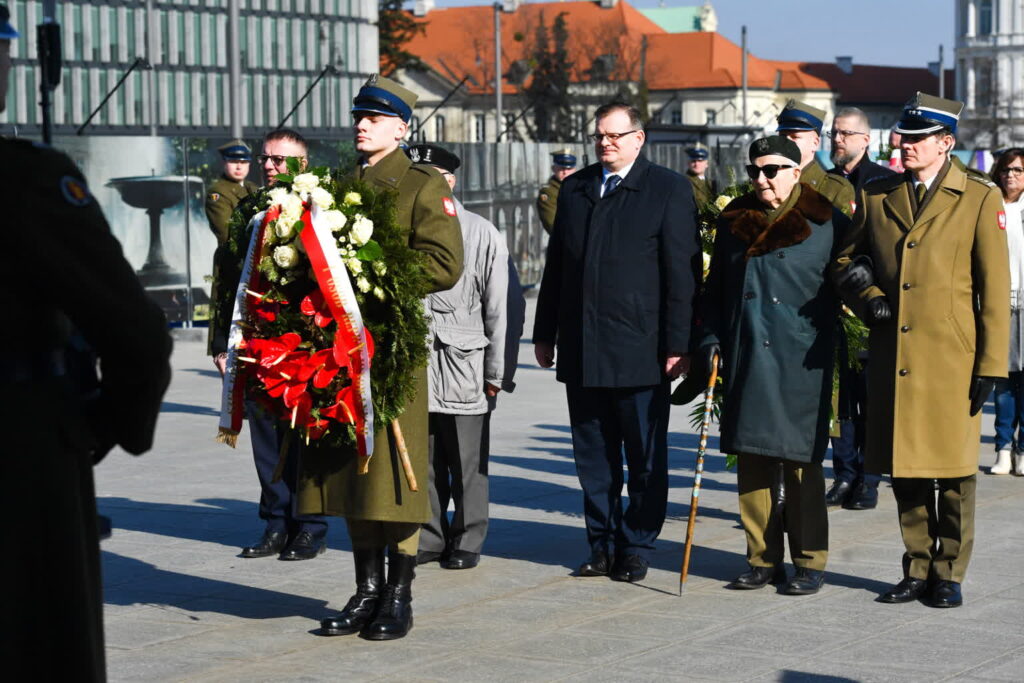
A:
[(990, 72), (284, 45)]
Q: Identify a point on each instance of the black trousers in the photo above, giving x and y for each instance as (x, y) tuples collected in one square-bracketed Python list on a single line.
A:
[(607, 422), (277, 499)]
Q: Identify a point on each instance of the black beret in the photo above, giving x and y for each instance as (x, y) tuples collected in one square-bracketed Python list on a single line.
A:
[(433, 155), (775, 144)]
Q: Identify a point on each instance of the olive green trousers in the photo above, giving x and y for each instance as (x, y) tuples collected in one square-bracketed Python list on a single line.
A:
[(937, 526), (399, 537), (804, 517)]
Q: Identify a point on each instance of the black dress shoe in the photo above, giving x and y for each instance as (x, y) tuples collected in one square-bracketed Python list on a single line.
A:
[(394, 608), (864, 497), (427, 556), (303, 547), (839, 492), (630, 568), (907, 590), (805, 582), (361, 607), (461, 559), (758, 577), (271, 544), (596, 565), (946, 594)]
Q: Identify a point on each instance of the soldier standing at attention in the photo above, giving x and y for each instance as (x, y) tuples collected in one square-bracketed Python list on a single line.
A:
[(935, 285), (379, 509), (563, 165), (704, 190), (802, 124), (68, 273)]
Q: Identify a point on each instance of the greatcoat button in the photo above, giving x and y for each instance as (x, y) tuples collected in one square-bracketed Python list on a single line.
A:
[(905, 328), (903, 372), (906, 285), (782, 254), (911, 245), (749, 295), (767, 343), (775, 299)]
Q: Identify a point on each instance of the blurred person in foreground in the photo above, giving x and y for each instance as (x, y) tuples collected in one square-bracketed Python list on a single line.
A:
[(925, 266), (1008, 173), (69, 274), (770, 316)]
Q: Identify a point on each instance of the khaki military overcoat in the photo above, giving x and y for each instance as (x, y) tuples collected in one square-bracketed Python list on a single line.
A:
[(836, 189), (932, 269), (222, 197), (328, 481), (547, 202)]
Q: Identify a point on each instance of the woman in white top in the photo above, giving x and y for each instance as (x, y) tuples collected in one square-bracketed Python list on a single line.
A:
[(1008, 174)]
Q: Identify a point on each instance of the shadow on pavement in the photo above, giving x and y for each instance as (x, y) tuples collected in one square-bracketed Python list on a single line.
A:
[(153, 586), (171, 407)]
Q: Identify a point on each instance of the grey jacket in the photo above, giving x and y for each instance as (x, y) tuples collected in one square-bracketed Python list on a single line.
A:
[(470, 323)]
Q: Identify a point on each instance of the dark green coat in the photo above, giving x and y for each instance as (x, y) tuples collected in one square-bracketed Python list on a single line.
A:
[(769, 304), (66, 267), (328, 482)]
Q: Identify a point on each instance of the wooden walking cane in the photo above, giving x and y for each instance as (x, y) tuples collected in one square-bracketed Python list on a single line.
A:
[(403, 455), (709, 396)]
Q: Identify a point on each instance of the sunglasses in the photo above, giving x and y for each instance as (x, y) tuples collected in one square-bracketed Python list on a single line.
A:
[(276, 158), (769, 170)]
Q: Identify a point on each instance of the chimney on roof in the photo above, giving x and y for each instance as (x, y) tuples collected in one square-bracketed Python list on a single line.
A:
[(509, 6), (421, 7), (933, 67), (608, 4), (708, 19), (845, 64)]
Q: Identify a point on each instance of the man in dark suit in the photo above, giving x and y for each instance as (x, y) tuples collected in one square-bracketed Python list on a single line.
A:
[(852, 487), (617, 297)]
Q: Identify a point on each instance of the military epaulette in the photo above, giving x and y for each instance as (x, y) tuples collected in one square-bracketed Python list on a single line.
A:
[(978, 177), (426, 168)]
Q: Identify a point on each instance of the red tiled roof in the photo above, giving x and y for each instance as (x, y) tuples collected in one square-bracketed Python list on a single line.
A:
[(868, 84)]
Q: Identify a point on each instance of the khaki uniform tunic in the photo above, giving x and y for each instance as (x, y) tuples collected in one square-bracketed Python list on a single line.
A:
[(547, 202)]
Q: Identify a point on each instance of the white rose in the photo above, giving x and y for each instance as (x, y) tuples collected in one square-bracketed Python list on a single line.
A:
[(335, 219), (379, 293), (352, 199), (277, 196), (285, 256), (354, 265), (305, 183), (363, 284), (322, 198), (722, 201), (362, 229), (379, 268), (707, 261), (291, 210)]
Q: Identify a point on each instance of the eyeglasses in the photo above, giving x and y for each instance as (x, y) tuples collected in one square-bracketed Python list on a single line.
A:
[(1012, 170), (836, 134), (276, 158), (612, 137), (769, 170)]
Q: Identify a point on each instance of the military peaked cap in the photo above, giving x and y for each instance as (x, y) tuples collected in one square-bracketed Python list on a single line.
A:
[(236, 150), (698, 153), (7, 32), (800, 116), (929, 114), (434, 156), (775, 144), (380, 95), (564, 158)]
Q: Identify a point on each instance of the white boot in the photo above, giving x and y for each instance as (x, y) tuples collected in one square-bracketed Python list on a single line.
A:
[(1018, 463), (1002, 465)]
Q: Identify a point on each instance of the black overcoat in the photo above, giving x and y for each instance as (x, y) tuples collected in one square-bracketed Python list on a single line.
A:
[(621, 276), (769, 304)]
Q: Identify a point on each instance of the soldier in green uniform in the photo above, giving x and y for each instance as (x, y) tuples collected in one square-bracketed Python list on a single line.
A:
[(801, 123), (378, 507), (66, 272), (563, 165), (230, 188), (704, 189), (221, 199)]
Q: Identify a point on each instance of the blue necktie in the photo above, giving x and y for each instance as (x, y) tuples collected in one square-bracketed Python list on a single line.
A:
[(610, 183)]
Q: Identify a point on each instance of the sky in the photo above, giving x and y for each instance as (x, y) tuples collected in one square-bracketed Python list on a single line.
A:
[(886, 32)]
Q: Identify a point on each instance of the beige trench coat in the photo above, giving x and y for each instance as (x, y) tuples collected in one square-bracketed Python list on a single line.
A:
[(931, 269)]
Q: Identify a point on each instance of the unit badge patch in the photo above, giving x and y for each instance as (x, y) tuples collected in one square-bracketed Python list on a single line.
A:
[(1002, 220), (74, 191), (214, 196), (449, 206)]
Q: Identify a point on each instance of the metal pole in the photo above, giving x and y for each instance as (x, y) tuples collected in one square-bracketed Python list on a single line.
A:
[(234, 69), (497, 71), (151, 33), (139, 61), (48, 50), (942, 75), (743, 46), (188, 238), (331, 68)]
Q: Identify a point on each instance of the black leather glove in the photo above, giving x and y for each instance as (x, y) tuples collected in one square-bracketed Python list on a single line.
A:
[(878, 311), (858, 276), (981, 388), (710, 351)]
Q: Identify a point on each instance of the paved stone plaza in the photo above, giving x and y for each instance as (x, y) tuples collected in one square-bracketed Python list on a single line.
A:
[(181, 604)]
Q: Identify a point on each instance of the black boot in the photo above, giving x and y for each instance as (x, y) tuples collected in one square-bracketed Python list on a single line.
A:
[(394, 612), (362, 606)]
